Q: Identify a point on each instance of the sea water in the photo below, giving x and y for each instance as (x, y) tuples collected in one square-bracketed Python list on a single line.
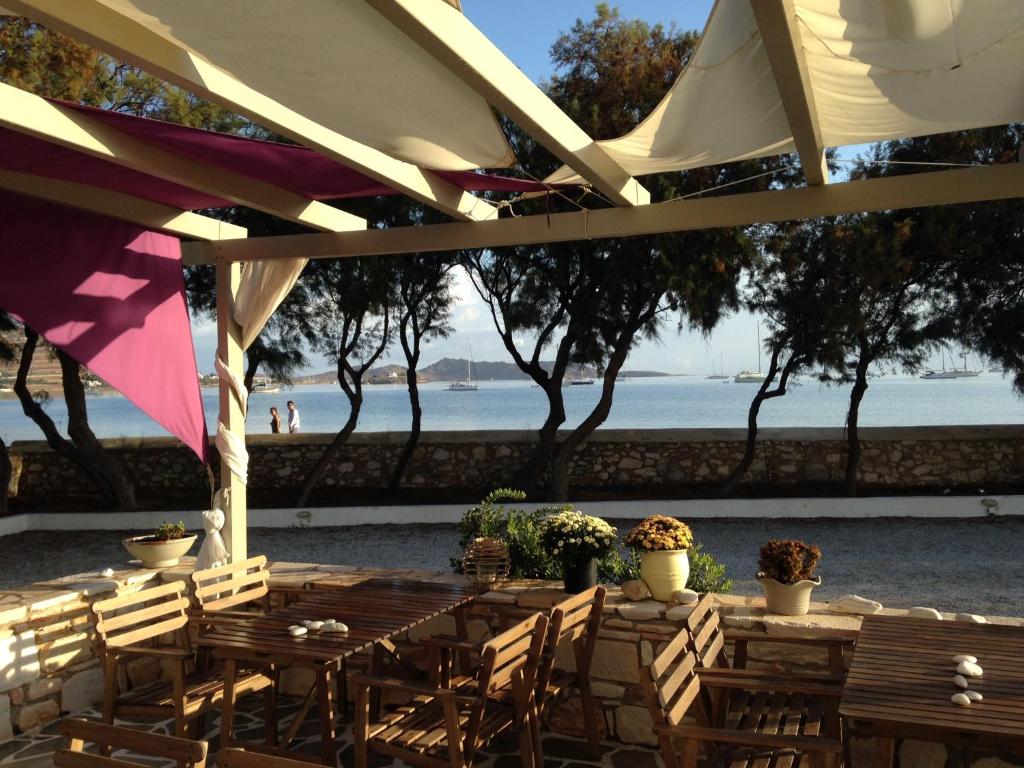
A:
[(640, 403)]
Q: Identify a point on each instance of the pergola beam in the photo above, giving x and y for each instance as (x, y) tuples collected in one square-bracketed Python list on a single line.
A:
[(962, 185), (33, 115), (120, 206), (776, 21), (102, 27), (453, 40)]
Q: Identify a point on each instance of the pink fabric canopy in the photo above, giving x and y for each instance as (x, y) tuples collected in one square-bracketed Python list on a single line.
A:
[(294, 168), (112, 296)]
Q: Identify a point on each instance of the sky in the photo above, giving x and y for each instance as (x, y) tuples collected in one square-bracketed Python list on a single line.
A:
[(525, 33)]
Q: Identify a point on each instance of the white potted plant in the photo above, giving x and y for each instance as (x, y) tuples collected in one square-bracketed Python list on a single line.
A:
[(786, 570), (664, 564), (163, 548), (577, 541)]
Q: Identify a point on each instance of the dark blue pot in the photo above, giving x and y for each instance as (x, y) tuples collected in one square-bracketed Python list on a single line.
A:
[(579, 576)]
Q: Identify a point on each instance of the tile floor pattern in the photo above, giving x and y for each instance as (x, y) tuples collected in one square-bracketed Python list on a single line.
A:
[(35, 750)]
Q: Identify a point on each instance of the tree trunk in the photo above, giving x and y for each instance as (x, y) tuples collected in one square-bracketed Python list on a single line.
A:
[(763, 394), (558, 491), (5, 476), (54, 439), (860, 386), (84, 438), (253, 358), (355, 402), (527, 477), (414, 431)]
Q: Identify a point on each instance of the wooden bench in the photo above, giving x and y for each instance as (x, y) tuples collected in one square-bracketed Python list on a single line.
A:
[(186, 753)]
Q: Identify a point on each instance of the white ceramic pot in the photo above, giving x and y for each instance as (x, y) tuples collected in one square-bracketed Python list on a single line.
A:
[(664, 571), (787, 599), (158, 554)]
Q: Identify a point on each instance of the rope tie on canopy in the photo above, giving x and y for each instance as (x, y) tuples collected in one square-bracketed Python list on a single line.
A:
[(231, 445)]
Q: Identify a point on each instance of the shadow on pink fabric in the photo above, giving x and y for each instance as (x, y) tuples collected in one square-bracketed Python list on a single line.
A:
[(111, 295)]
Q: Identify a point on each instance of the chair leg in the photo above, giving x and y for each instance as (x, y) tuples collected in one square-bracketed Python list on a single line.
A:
[(342, 683), (590, 719), (270, 708), (362, 724), (109, 694)]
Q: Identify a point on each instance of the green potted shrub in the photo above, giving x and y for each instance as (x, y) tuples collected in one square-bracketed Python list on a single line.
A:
[(663, 543), (163, 548), (577, 541), (786, 570)]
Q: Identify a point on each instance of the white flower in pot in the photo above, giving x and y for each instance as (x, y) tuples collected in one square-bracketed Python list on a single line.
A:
[(786, 570), (663, 543), (163, 548)]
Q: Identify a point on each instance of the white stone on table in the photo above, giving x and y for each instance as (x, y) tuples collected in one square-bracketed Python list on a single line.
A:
[(855, 604), (965, 657), (969, 669), (502, 597), (960, 699), (678, 612), (635, 590), (106, 573), (971, 618), (685, 596), (960, 681), (648, 609), (297, 631), (973, 695), (921, 612)]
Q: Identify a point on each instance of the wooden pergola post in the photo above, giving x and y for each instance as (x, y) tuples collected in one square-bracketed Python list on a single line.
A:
[(229, 345)]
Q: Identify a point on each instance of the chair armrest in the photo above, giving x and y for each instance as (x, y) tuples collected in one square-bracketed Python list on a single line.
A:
[(745, 738), (451, 643), (155, 744), (165, 652), (785, 685), (417, 689), (846, 641)]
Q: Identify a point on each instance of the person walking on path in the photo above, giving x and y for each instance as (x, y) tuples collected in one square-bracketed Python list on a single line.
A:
[(293, 417), (275, 421)]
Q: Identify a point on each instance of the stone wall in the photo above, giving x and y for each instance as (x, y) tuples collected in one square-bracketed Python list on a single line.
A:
[(895, 459)]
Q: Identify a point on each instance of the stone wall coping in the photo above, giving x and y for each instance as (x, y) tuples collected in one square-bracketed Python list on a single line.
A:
[(650, 436)]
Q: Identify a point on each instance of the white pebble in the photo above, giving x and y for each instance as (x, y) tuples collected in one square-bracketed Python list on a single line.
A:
[(305, 623), (314, 626), (297, 631), (924, 613), (855, 604), (960, 699), (965, 657), (969, 669), (971, 618), (335, 626), (960, 681), (685, 597), (973, 695), (106, 573)]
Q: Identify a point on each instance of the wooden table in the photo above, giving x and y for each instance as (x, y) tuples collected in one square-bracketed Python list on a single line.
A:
[(901, 679), (374, 610)]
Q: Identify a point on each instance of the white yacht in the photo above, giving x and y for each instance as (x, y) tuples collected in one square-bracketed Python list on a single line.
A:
[(468, 384), (266, 386), (748, 377)]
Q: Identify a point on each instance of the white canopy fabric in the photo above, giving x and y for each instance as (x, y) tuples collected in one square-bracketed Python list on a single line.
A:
[(342, 64), (878, 70)]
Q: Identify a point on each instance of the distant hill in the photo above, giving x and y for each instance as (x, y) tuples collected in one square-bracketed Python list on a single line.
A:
[(454, 369)]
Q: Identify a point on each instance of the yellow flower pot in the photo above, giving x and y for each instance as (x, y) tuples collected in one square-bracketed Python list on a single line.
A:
[(664, 571)]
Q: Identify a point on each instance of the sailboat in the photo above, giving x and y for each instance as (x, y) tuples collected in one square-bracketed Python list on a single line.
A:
[(467, 385), (931, 375), (747, 376), (719, 374), (966, 373)]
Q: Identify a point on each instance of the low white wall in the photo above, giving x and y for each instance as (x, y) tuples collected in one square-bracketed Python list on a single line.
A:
[(881, 506)]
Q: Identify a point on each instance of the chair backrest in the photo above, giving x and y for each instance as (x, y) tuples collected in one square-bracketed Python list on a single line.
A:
[(239, 758), (671, 686), (186, 753), (575, 620), (145, 615), (232, 585), (707, 635)]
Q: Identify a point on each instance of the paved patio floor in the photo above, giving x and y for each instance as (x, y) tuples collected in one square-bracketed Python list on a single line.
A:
[(36, 750)]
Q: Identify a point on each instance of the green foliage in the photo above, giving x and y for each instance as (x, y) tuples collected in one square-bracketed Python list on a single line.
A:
[(170, 531), (788, 560), (706, 573)]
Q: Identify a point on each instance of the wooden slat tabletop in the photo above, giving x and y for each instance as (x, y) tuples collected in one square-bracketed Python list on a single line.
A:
[(902, 676), (374, 610)]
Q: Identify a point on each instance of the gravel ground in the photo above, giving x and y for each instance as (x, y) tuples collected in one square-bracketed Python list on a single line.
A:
[(967, 565)]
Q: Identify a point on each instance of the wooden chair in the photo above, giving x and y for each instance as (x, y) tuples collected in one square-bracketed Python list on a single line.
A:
[(239, 758), (791, 723), (186, 753), (131, 626), (708, 640), (576, 621), (447, 725), (227, 593)]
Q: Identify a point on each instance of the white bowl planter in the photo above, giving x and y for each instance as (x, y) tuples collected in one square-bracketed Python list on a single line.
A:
[(787, 599), (664, 571), (156, 553)]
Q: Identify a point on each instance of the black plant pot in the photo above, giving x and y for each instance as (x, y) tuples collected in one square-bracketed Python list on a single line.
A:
[(579, 576)]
